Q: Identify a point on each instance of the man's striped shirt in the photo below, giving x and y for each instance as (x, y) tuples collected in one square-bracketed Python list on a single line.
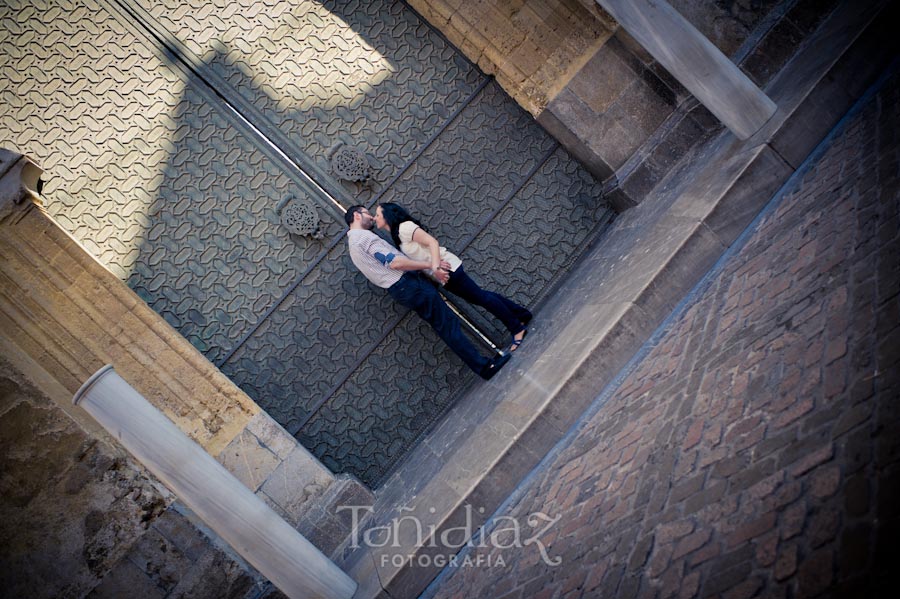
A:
[(363, 245)]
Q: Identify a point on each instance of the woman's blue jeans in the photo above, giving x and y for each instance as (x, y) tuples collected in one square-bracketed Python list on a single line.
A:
[(509, 312)]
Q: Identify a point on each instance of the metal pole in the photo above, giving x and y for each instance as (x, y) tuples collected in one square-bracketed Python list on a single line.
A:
[(475, 330)]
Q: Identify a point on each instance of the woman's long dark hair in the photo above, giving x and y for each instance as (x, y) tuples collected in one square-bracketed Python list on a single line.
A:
[(394, 214)]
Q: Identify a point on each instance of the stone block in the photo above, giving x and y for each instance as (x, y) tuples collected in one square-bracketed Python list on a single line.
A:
[(501, 480), (611, 137), (218, 574), (645, 107), (747, 195), (769, 56), (706, 120), (341, 511), (677, 142), (625, 324), (248, 460), (527, 57), (638, 183), (126, 580), (558, 126), (181, 533), (295, 481), (727, 199), (806, 15), (816, 114), (430, 508), (364, 570), (326, 533), (601, 81), (160, 559), (618, 198), (418, 469), (272, 435)]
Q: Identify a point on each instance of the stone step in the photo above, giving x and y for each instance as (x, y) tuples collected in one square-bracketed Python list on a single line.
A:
[(607, 308)]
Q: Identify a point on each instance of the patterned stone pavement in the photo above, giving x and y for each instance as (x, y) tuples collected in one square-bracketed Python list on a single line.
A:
[(370, 74), (142, 170), (753, 450), (123, 102)]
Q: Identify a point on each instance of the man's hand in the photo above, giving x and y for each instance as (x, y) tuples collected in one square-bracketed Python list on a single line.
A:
[(441, 275)]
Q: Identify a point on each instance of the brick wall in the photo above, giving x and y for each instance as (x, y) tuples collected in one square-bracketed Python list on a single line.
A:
[(753, 451)]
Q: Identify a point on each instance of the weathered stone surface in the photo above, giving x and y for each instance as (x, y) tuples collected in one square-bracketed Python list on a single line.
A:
[(271, 435), (531, 47), (296, 481), (126, 579), (249, 460), (66, 316), (79, 519), (71, 507), (337, 515)]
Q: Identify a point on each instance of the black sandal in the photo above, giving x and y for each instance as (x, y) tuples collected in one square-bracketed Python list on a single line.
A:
[(517, 342)]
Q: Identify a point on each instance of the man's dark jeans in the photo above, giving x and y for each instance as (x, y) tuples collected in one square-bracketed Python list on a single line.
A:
[(416, 292)]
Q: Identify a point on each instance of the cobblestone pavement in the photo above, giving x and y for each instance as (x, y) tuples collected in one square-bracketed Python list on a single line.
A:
[(754, 450)]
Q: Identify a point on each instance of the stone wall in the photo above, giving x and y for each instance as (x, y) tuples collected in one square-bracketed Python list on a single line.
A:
[(533, 48), (67, 313)]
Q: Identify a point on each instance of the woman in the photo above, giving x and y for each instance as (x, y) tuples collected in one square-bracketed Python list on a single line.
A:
[(414, 240)]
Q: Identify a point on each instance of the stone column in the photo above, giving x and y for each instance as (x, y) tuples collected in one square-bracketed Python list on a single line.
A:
[(241, 518), (697, 64)]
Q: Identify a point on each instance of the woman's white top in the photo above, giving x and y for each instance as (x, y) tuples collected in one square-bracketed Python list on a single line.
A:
[(417, 251)]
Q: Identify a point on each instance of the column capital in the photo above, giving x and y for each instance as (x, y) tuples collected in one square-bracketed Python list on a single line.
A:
[(19, 177)]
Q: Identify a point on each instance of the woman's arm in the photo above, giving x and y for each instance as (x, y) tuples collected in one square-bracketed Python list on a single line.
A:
[(403, 263), (434, 248)]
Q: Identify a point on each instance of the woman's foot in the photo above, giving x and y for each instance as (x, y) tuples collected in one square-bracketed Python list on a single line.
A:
[(517, 340)]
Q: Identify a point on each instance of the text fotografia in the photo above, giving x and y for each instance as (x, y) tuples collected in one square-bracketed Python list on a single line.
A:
[(454, 561), (507, 532)]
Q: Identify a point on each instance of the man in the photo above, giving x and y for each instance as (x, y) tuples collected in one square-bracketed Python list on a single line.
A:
[(387, 267)]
